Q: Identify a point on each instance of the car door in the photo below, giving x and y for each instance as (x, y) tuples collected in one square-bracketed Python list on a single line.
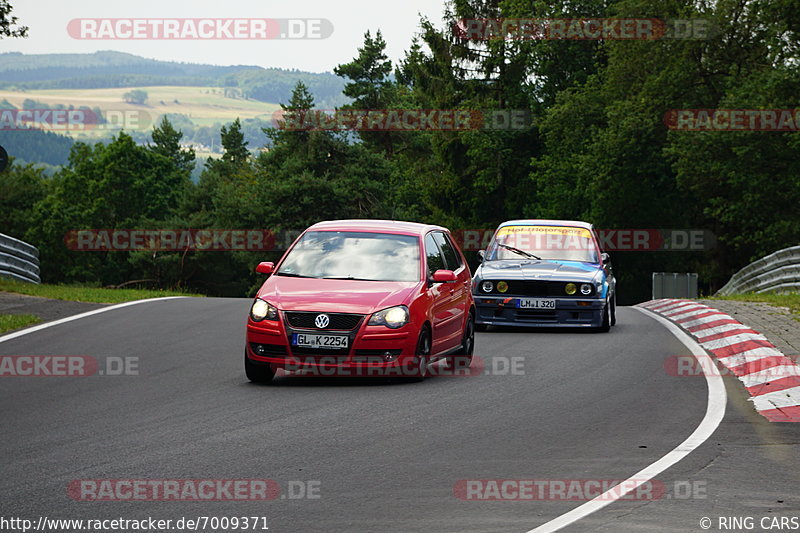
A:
[(459, 291), (442, 315)]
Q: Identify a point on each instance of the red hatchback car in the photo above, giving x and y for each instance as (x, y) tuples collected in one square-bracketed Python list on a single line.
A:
[(363, 297)]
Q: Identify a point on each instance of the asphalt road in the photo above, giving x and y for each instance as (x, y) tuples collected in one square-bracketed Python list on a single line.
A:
[(384, 456)]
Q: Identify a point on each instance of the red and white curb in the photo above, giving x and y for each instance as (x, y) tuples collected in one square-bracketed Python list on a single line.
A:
[(771, 378)]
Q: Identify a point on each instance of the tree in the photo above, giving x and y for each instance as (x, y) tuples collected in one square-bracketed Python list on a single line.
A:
[(166, 142), (136, 96), (368, 74), (115, 186), (7, 22), (20, 188)]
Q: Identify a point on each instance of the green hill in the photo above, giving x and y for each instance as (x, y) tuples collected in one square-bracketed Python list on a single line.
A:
[(108, 69)]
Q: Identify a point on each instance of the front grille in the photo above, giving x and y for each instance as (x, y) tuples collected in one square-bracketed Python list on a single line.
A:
[(338, 321), (536, 315), (551, 289)]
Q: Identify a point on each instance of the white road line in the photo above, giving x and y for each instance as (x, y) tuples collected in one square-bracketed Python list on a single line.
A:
[(34, 329), (715, 411)]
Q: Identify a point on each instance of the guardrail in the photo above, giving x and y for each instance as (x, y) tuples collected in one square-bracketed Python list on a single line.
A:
[(19, 260), (777, 272)]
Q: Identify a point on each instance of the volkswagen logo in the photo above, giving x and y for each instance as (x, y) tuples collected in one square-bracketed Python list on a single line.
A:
[(322, 321)]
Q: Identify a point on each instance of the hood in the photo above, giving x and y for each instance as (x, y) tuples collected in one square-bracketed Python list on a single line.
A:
[(534, 270), (335, 296)]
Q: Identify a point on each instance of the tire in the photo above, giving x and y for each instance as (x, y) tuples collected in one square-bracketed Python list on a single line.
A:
[(614, 310), (463, 358), (606, 325), (421, 357), (257, 373)]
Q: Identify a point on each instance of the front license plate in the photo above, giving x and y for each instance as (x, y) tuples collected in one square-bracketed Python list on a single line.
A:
[(320, 341), (535, 303)]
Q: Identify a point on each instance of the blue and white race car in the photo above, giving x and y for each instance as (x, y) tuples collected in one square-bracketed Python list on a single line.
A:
[(545, 273)]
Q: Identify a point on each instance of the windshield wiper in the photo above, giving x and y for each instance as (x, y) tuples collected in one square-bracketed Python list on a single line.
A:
[(292, 275), (519, 252), (349, 278)]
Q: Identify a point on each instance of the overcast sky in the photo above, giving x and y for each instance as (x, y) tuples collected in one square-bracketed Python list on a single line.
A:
[(398, 20)]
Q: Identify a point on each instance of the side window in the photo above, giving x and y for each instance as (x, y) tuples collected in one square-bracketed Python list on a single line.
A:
[(434, 255), (450, 255)]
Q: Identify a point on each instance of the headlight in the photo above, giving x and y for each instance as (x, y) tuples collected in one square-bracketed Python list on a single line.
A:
[(487, 286), (261, 310), (393, 317), (570, 288), (586, 289), (502, 286)]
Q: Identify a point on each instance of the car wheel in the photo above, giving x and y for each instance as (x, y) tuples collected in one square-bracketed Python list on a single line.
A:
[(606, 325), (614, 310), (257, 373), (463, 358), (419, 367)]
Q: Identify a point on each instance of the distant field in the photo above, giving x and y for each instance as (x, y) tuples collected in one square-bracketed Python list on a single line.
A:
[(203, 105)]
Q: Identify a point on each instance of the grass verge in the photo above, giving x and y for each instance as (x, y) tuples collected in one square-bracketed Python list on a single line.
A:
[(790, 300), (84, 294), (9, 322)]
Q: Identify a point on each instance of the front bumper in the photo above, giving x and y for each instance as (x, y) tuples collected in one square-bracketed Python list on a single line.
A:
[(568, 312), (372, 350)]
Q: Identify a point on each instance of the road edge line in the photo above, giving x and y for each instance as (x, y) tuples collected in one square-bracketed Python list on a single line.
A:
[(715, 412), (39, 327)]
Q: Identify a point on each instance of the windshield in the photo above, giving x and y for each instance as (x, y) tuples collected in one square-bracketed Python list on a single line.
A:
[(354, 255), (561, 243)]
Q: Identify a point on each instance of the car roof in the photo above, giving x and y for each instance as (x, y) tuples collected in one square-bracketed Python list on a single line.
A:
[(545, 222), (390, 226)]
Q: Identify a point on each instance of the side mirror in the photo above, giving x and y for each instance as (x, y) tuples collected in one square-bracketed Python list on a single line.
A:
[(482, 255), (444, 276), (265, 268), (606, 258)]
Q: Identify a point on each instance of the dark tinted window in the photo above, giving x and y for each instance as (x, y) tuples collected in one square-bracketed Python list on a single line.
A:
[(450, 255), (435, 260)]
